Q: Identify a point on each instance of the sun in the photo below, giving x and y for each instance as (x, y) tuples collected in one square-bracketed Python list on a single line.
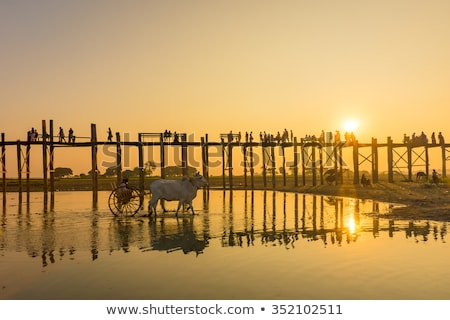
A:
[(350, 125)]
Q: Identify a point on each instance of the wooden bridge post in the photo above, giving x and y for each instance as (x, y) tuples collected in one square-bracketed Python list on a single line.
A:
[(244, 150), (162, 156), (3, 167), (303, 163), (184, 161), (230, 164), (341, 160), (335, 156), (19, 166), (264, 164), (202, 145), (409, 164), (205, 166), (355, 162), (141, 164), (321, 164), (252, 169), (284, 165), (444, 159), (44, 156), (390, 158), (27, 164), (427, 161), (374, 160), (313, 165), (52, 152), (222, 142), (272, 164), (118, 159), (94, 167), (206, 172), (295, 162)]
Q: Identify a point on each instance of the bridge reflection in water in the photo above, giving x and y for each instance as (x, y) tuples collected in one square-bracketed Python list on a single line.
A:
[(229, 218), (276, 218), (268, 218)]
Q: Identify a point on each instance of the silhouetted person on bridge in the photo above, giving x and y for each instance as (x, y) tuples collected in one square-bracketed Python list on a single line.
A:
[(61, 135), (433, 138), (71, 136), (441, 138)]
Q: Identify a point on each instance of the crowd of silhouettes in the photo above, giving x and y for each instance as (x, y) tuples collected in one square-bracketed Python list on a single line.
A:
[(279, 138), (32, 135), (168, 135), (349, 138), (422, 139), (62, 136)]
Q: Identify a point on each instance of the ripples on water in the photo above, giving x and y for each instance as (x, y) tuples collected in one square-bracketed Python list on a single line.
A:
[(240, 245)]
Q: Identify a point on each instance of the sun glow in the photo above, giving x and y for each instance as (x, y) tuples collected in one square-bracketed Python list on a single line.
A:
[(350, 125)]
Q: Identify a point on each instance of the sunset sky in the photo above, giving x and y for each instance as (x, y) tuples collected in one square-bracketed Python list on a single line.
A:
[(214, 66)]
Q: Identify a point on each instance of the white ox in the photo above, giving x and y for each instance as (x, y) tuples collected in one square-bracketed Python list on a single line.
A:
[(184, 190)]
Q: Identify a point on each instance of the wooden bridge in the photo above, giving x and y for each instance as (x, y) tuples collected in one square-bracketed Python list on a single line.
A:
[(311, 157)]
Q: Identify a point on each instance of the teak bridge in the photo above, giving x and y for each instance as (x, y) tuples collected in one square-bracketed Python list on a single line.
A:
[(322, 162)]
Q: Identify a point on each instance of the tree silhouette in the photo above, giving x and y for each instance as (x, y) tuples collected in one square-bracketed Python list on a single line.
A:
[(63, 172)]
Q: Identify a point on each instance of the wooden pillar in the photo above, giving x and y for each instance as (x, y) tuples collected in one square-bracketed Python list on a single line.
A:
[(264, 165), (390, 157), (205, 164), (118, 159), (295, 162), (206, 171), (335, 156), (341, 159), (184, 161), (3, 167), (321, 164), (273, 165), (427, 161), (44, 156), (374, 160), (205, 159), (444, 159), (27, 164), (19, 166), (284, 165), (409, 164), (162, 156), (141, 164), (230, 164), (202, 146), (252, 169), (355, 162), (51, 163), (223, 163), (244, 149), (94, 167), (313, 165), (303, 163)]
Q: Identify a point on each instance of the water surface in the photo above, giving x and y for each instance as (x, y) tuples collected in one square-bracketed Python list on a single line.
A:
[(239, 245)]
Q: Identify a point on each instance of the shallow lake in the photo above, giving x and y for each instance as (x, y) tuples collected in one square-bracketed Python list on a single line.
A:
[(239, 245)]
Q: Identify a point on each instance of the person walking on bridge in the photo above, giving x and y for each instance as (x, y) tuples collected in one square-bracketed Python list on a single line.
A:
[(61, 135)]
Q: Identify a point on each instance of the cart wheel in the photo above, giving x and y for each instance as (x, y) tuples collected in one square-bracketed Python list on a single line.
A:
[(125, 203)]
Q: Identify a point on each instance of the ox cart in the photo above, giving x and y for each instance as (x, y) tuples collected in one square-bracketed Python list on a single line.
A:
[(125, 200)]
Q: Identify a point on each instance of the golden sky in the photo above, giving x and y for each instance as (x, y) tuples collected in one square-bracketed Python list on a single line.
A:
[(214, 66)]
